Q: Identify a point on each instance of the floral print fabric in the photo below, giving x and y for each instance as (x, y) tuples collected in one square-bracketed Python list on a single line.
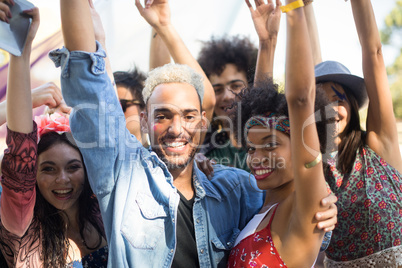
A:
[(369, 207), (18, 199)]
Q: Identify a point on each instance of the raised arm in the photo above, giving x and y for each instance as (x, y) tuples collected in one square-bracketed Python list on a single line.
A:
[(382, 135), (158, 16), (97, 120), (309, 179), (159, 54), (19, 108), (100, 36), (18, 198), (266, 19), (77, 25), (313, 31)]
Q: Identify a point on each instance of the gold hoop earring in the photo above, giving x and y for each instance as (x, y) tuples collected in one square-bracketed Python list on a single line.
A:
[(249, 181)]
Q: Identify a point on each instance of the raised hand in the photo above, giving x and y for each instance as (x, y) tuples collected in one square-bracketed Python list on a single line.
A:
[(205, 165), (62, 109), (266, 18), (328, 218), (47, 94), (5, 13), (19, 102), (156, 12), (34, 13)]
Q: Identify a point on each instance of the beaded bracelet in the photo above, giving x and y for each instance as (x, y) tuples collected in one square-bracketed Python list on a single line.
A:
[(292, 6)]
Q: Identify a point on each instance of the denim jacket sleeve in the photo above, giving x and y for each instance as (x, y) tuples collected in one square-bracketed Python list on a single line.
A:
[(97, 121), (134, 188)]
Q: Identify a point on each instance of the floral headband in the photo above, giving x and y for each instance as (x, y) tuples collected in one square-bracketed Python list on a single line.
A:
[(269, 120), (52, 123)]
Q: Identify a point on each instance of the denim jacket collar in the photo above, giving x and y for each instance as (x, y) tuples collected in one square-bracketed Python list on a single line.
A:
[(203, 186)]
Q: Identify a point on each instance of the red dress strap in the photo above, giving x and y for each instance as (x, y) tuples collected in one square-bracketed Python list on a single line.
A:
[(272, 217), (257, 250)]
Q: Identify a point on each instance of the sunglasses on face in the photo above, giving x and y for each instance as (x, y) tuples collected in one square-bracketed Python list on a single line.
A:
[(128, 103)]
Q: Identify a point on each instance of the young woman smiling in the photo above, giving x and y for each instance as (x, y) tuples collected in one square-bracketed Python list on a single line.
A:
[(284, 156), (49, 214)]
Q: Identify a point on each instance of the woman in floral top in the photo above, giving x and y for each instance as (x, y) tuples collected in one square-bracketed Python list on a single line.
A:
[(49, 215), (365, 173)]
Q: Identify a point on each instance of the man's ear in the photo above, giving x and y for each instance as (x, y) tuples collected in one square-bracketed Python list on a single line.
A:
[(204, 121), (144, 122)]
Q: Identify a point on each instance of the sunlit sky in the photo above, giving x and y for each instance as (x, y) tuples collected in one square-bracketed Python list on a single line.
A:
[(196, 20)]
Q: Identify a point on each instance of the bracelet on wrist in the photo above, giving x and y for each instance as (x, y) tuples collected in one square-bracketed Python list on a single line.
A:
[(294, 5)]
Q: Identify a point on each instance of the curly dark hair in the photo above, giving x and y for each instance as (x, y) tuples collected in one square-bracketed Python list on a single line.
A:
[(51, 221), (133, 80), (218, 52), (265, 97)]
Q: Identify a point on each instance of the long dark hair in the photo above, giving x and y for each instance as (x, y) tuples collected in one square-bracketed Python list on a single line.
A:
[(352, 137), (51, 221)]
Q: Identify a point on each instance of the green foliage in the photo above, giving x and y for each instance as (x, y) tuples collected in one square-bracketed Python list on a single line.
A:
[(396, 67), (391, 34), (397, 96), (393, 23)]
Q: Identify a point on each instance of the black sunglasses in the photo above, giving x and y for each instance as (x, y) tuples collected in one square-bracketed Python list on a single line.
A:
[(128, 103)]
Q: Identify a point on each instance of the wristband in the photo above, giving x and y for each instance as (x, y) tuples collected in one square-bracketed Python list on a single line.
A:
[(292, 6)]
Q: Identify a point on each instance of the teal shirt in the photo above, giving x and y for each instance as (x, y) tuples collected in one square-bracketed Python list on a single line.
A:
[(229, 155)]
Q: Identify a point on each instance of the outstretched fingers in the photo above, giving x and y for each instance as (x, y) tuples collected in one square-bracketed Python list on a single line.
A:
[(139, 6), (278, 5), (249, 4), (258, 3)]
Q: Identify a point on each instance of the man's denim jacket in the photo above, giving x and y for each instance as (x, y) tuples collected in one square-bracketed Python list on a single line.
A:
[(135, 190)]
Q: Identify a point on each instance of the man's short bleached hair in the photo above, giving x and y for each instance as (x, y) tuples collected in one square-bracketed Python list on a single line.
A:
[(173, 73)]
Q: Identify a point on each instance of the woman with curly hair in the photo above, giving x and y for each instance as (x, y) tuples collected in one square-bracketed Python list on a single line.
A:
[(49, 214), (284, 155)]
